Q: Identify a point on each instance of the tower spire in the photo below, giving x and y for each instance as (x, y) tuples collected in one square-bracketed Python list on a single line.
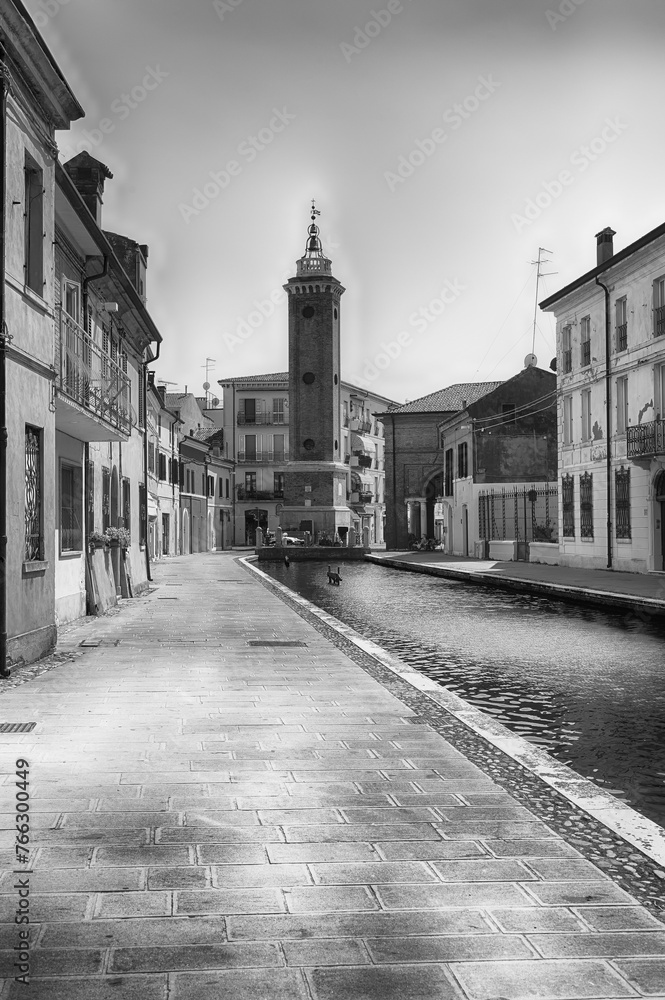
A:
[(314, 258)]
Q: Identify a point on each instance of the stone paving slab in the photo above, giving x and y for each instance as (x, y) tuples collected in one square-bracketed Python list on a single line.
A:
[(218, 820)]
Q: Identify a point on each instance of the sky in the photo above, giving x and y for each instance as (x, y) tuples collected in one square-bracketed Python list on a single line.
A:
[(444, 141)]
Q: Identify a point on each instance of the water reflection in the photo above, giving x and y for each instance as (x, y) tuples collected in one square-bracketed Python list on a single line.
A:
[(587, 685)]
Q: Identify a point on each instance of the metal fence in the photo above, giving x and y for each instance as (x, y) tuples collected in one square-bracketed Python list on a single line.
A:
[(521, 514)]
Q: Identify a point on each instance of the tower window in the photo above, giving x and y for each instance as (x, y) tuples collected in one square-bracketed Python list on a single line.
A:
[(308, 444), (336, 380), (308, 378), (335, 314), (308, 312)]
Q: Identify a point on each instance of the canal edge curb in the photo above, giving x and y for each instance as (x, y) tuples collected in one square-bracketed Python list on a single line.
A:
[(558, 591), (621, 819)]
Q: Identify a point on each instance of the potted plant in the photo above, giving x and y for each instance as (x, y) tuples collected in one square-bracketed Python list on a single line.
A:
[(96, 540), (117, 537)]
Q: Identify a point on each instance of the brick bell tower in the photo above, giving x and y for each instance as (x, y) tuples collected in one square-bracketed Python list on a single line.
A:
[(315, 477)]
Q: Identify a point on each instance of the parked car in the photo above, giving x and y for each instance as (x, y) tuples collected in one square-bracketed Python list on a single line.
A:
[(292, 540)]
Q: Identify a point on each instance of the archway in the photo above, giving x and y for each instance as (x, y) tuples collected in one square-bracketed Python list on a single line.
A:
[(433, 490), (254, 519), (184, 535)]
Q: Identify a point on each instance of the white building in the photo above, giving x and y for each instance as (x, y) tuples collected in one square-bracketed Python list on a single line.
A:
[(611, 402)]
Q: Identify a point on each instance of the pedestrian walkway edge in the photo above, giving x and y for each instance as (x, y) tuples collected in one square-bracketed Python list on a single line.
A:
[(563, 592), (622, 819)]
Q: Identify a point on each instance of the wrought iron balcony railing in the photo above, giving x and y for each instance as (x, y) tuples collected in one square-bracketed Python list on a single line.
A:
[(255, 457), (89, 377), (646, 440), (276, 419), (245, 494)]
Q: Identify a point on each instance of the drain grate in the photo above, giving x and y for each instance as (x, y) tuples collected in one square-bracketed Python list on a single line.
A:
[(273, 642), (240, 583), (90, 643), (17, 727), (168, 598)]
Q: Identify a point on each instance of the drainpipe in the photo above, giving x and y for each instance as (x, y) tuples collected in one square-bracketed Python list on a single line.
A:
[(4, 670), (84, 295), (608, 418), (145, 459)]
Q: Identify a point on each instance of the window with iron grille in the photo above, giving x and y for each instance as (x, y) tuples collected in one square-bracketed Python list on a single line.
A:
[(586, 505), (659, 307), (448, 484), (585, 357), (621, 324), (34, 541), (622, 502), (567, 350), (89, 498), (106, 498), (568, 498), (462, 460)]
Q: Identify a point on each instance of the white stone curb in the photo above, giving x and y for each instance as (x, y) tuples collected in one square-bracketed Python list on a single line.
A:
[(642, 833)]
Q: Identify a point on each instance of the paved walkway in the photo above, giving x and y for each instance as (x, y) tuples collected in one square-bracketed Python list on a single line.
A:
[(635, 590), (213, 817)]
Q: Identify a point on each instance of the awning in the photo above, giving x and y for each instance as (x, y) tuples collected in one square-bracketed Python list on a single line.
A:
[(361, 443)]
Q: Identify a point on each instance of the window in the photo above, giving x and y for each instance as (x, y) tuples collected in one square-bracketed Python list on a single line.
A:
[(250, 447), (33, 262), (247, 413), (585, 356), (566, 342), (162, 466), (586, 415), (448, 484), (211, 486), (34, 542), (71, 297), (203, 484), (508, 412), (659, 307), (106, 498), (621, 325), (278, 446), (278, 410), (126, 504), (622, 405), (462, 461), (90, 498), (250, 483), (567, 419), (143, 514), (279, 484), (221, 487), (151, 456), (586, 505), (71, 508), (622, 502), (660, 392), (345, 413), (227, 489), (568, 503)]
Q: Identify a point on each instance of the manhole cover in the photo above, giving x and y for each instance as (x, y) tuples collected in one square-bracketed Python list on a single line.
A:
[(273, 642), (17, 727)]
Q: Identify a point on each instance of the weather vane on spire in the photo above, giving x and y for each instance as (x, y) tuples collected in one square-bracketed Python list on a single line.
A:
[(315, 211)]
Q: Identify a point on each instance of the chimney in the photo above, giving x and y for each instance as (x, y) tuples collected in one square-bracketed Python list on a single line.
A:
[(88, 176), (604, 245)]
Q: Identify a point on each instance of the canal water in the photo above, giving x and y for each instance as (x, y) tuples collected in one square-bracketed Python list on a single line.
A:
[(586, 685)]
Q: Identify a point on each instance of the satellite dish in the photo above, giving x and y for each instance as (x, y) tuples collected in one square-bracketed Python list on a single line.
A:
[(530, 361), (215, 401), (206, 386), (553, 364)]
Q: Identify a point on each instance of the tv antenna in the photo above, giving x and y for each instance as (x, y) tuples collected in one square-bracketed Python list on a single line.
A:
[(539, 274), (209, 365)]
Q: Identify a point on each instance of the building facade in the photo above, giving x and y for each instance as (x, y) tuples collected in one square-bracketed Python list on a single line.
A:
[(36, 102), (611, 402), (500, 467)]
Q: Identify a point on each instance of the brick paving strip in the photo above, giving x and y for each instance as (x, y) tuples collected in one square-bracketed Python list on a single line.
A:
[(212, 819)]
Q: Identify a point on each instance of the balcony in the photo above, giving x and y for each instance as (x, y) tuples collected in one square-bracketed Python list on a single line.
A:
[(93, 392), (646, 440), (245, 494), (263, 419), (257, 457)]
